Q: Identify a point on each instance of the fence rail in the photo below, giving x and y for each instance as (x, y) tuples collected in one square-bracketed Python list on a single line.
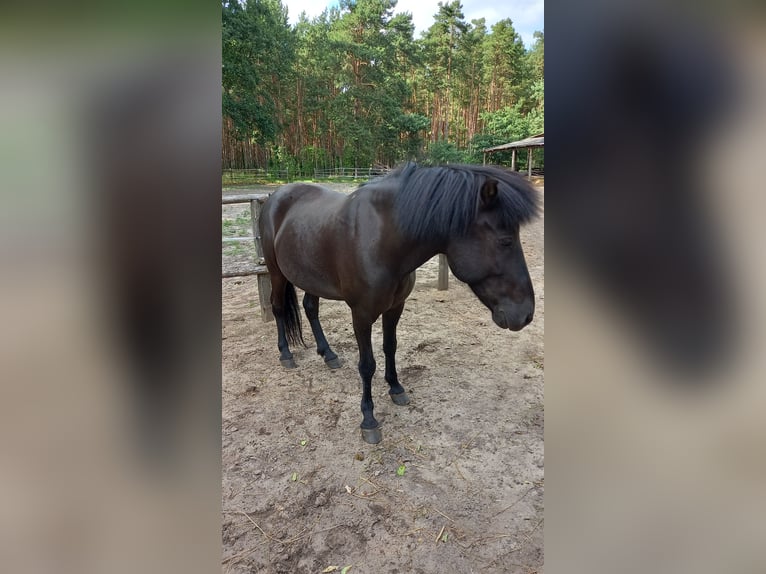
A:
[(351, 172), (234, 176)]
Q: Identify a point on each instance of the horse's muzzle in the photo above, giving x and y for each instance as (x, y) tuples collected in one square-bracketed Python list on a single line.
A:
[(514, 317)]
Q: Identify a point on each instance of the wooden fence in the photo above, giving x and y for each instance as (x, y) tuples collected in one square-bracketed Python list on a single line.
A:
[(238, 176), (258, 269)]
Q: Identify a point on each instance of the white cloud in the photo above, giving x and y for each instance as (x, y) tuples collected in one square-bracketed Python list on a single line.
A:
[(527, 15), (422, 12), (311, 7)]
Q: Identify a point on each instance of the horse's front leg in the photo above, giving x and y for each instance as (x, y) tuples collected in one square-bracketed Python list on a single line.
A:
[(390, 321), (363, 330)]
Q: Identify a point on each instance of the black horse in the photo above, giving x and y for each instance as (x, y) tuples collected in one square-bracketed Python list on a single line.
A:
[(363, 248)]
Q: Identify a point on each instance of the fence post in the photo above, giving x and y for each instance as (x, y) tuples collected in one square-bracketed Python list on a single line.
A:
[(443, 281), (264, 281), (529, 162)]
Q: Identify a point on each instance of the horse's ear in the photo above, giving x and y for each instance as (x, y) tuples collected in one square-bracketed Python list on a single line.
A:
[(488, 193)]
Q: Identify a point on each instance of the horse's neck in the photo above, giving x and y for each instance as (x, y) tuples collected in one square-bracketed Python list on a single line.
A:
[(411, 254), (415, 253)]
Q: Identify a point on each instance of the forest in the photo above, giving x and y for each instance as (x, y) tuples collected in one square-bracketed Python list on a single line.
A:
[(353, 87)]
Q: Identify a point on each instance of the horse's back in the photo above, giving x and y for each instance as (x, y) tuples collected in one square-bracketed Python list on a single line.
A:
[(298, 233), (335, 245), (298, 200)]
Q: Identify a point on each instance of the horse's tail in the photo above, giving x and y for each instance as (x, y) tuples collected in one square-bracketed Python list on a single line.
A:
[(292, 316)]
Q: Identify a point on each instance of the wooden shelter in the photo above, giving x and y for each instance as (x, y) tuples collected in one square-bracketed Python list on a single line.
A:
[(527, 143)]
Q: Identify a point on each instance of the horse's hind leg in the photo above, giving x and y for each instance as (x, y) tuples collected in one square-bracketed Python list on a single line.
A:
[(279, 308), (390, 321), (311, 306)]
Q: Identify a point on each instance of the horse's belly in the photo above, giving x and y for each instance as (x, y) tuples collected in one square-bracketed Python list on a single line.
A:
[(316, 285), (312, 279), (404, 288)]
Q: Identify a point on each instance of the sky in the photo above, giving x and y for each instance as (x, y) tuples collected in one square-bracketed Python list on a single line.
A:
[(527, 15)]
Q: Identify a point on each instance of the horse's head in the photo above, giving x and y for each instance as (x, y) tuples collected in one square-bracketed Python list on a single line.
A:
[(489, 258)]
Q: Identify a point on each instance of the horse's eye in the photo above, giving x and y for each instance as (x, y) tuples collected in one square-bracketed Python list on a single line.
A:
[(506, 241)]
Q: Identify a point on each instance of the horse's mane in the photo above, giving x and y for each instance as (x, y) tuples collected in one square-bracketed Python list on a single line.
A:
[(444, 200)]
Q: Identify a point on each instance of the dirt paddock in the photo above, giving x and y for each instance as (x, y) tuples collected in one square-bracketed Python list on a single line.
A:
[(456, 485)]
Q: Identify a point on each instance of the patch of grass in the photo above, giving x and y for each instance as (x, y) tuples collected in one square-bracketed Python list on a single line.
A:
[(244, 216), (240, 226), (228, 228), (536, 357), (235, 249), (237, 178)]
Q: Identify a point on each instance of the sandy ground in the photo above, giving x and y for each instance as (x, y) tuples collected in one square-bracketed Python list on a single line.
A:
[(457, 483)]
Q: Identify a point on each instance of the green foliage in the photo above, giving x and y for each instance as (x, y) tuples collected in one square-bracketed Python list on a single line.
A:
[(354, 88), (410, 127), (536, 56), (482, 141), (412, 123), (505, 125), (282, 161), (311, 158), (509, 123), (507, 68), (441, 152), (257, 50)]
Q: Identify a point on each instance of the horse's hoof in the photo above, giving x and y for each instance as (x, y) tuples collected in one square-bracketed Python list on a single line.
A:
[(288, 363), (401, 398), (372, 436), (333, 363)]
